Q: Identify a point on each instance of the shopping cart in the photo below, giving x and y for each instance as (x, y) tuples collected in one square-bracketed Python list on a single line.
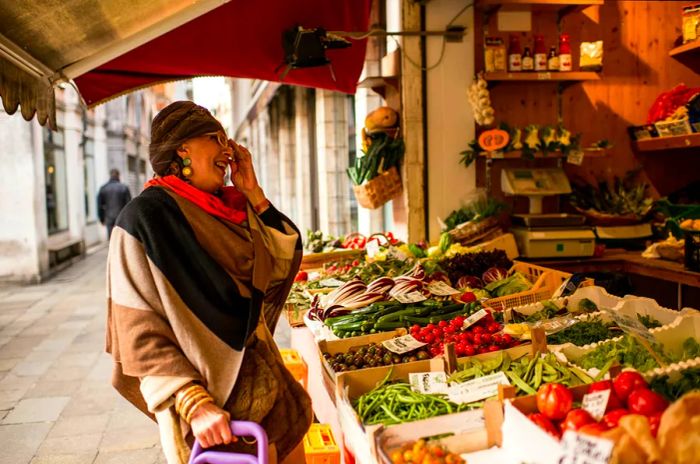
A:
[(238, 428)]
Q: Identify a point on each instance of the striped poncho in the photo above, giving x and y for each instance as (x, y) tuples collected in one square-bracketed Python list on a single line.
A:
[(191, 298)]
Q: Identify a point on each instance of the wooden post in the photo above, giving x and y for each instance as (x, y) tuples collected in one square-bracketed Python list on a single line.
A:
[(412, 123), (539, 341)]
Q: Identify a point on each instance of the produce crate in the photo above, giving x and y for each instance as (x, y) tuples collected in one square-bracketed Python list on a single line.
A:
[(545, 282), (317, 260), (343, 345), (320, 446), (296, 365), (671, 337)]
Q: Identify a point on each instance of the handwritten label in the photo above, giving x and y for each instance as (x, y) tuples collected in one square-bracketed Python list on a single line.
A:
[(579, 448), (372, 248), (401, 345), (631, 325), (575, 157), (477, 389), (471, 320), (595, 403), (428, 382), (413, 297), (441, 289), (331, 283), (557, 324)]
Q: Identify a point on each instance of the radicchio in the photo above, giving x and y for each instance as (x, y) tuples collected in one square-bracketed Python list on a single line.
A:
[(494, 274), (470, 281)]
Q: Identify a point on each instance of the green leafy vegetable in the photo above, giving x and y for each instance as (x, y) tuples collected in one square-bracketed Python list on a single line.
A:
[(648, 321), (583, 333), (689, 381), (587, 306), (510, 285)]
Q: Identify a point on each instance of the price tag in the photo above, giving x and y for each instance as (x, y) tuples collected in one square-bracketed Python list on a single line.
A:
[(372, 248), (477, 389), (441, 289), (331, 283), (428, 382), (580, 448), (401, 345), (544, 76), (557, 324), (471, 320), (498, 154), (595, 403), (413, 297), (631, 325), (575, 157)]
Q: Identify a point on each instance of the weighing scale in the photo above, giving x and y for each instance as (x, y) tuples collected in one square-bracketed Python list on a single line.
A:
[(546, 235)]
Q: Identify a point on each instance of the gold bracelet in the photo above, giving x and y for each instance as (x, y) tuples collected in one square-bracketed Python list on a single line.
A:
[(187, 404), (196, 406), (183, 393)]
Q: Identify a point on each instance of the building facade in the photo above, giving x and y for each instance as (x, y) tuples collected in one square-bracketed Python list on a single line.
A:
[(50, 179)]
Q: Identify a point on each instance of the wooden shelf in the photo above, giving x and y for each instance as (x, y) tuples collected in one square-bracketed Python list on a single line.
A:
[(563, 7), (517, 154), (690, 47), (553, 76), (668, 143)]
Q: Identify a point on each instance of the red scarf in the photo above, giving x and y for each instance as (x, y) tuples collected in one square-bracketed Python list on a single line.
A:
[(230, 205)]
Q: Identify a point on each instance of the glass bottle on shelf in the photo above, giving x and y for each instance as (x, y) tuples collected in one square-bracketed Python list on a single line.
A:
[(540, 53), (515, 55), (528, 62), (553, 60), (564, 53)]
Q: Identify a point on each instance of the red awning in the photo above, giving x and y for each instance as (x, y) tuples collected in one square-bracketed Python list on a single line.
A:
[(242, 38)]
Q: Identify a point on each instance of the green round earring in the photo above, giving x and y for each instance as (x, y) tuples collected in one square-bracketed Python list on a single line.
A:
[(186, 169)]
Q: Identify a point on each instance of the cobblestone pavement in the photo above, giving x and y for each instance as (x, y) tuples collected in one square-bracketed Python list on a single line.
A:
[(56, 401)]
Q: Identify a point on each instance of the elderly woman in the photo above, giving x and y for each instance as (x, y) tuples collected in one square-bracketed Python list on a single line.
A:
[(197, 275)]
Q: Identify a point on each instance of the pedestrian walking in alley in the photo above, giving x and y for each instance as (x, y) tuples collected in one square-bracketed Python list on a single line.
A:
[(198, 275), (111, 199)]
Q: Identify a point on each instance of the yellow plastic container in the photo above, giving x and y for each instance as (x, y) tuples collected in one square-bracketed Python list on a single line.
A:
[(320, 446), (296, 365)]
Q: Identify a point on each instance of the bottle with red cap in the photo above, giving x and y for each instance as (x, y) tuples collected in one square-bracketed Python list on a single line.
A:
[(540, 53), (515, 54), (564, 53)]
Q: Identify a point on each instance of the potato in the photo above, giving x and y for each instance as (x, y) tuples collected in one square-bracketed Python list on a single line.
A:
[(687, 224)]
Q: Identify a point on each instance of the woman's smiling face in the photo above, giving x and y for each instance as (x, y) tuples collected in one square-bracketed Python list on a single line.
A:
[(209, 159)]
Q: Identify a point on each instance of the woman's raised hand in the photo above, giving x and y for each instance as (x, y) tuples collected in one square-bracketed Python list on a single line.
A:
[(243, 171), (211, 426)]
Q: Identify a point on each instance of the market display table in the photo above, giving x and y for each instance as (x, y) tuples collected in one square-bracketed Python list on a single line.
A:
[(685, 283)]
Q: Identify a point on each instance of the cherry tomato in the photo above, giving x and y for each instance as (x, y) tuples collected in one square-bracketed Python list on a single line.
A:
[(493, 327), (415, 328), (646, 402), (470, 351), (508, 339), (478, 330), (498, 339), (478, 340), (430, 326), (612, 418), (302, 276), (596, 429), (486, 338), (654, 422), (494, 348), (626, 383), (575, 419), (554, 400), (442, 324), (602, 385), (544, 423), (467, 297), (430, 338), (459, 321)]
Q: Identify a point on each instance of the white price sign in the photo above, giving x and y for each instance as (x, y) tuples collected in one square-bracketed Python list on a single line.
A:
[(441, 289), (580, 448), (477, 389), (413, 297), (595, 403), (575, 157), (428, 382), (631, 325), (474, 318), (401, 345), (331, 283), (372, 248)]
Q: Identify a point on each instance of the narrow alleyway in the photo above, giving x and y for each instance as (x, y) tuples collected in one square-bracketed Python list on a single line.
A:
[(56, 402)]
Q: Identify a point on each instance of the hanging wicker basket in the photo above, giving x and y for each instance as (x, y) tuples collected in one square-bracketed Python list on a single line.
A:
[(377, 191)]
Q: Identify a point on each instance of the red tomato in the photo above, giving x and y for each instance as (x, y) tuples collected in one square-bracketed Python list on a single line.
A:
[(544, 423), (429, 338), (493, 327), (554, 400), (596, 428), (478, 330), (494, 348), (430, 326), (654, 422), (602, 385), (470, 351), (508, 339), (612, 418), (626, 383), (646, 402), (442, 324), (478, 339), (467, 297), (302, 276), (415, 328), (575, 419), (486, 338), (459, 321)]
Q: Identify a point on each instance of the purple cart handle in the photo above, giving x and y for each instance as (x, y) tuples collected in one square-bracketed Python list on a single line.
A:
[(238, 428)]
